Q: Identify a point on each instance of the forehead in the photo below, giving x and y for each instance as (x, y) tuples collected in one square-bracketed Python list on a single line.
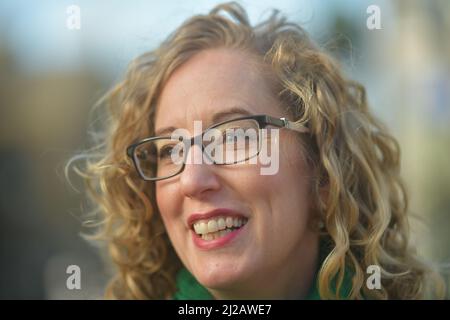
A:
[(213, 81)]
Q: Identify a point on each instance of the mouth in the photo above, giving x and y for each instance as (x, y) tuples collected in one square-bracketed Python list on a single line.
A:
[(216, 228)]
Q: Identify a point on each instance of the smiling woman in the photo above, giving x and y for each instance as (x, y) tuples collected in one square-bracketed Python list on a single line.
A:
[(334, 206)]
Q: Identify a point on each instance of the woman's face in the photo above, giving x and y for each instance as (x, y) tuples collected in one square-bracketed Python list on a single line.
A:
[(274, 252)]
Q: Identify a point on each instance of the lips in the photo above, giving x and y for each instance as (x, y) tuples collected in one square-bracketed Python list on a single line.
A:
[(216, 228)]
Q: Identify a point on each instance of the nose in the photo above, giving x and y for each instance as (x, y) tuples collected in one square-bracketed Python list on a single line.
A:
[(198, 178)]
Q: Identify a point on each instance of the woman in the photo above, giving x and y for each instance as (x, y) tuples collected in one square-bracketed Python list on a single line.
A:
[(333, 208)]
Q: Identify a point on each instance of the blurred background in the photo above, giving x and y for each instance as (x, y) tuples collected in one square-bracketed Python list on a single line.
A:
[(51, 75)]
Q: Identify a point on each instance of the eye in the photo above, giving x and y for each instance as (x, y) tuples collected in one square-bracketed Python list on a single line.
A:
[(165, 152), (238, 135), (232, 134)]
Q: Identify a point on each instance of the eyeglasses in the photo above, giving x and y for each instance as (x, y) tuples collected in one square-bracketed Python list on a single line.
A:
[(234, 141)]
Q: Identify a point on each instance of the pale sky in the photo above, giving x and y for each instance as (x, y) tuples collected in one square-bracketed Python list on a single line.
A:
[(113, 32)]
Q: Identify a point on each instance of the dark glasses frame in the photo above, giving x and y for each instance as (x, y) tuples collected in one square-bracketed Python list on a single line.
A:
[(262, 120)]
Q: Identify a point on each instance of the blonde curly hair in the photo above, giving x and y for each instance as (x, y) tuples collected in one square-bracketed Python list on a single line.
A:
[(352, 154)]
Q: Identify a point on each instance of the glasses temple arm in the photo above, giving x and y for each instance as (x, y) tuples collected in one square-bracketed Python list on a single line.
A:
[(294, 126)]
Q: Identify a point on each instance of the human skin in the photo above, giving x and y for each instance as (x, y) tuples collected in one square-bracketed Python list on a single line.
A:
[(275, 254)]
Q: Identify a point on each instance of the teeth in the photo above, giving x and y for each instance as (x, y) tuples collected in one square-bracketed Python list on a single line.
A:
[(200, 228), (212, 226), (217, 227), (207, 237), (221, 224), (215, 235), (229, 222)]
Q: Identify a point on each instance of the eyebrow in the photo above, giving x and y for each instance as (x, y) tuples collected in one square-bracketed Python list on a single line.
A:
[(216, 118), (164, 131), (229, 114)]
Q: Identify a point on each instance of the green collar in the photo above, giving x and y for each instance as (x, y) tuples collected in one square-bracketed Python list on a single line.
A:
[(188, 288)]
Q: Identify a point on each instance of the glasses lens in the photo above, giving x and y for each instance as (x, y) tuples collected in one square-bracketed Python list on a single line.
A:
[(159, 158), (232, 142)]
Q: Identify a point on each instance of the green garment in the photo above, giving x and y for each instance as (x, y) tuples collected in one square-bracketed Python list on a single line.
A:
[(188, 288)]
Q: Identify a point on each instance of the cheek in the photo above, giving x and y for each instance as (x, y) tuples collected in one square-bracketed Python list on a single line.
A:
[(281, 201), (167, 207), (289, 193), (286, 191)]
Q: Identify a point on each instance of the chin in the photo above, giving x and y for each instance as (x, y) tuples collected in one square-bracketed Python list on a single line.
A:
[(215, 277)]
